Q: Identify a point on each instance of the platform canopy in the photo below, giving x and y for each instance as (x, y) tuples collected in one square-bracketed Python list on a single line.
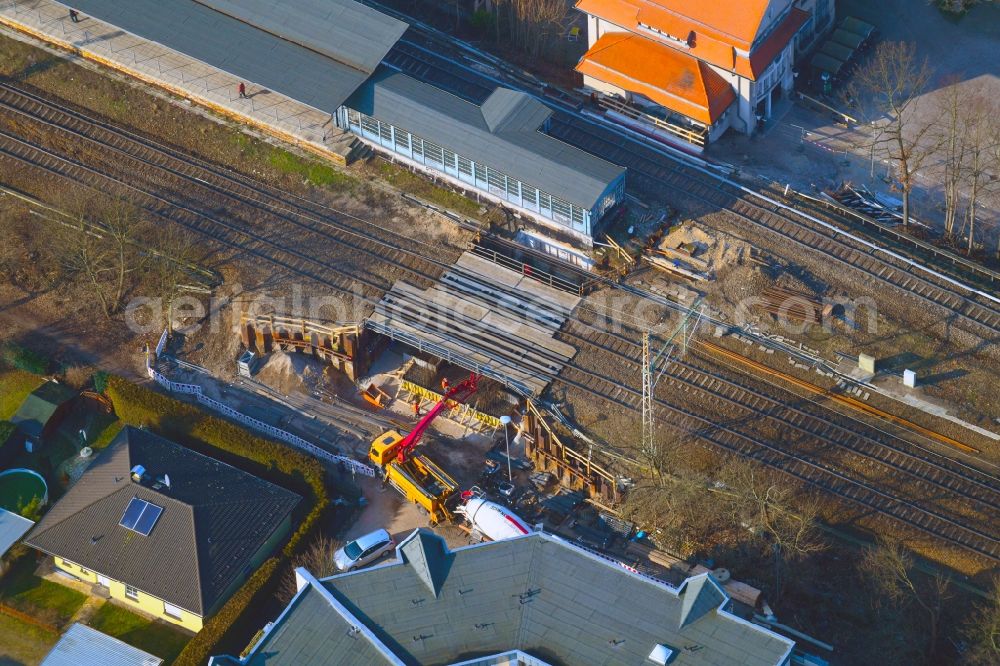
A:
[(314, 51)]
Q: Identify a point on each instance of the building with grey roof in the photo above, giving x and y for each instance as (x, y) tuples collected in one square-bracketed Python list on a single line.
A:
[(12, 528), (314, 51), (163, 527), (83, 646), (533, 600), (326, 54), (498, 150)]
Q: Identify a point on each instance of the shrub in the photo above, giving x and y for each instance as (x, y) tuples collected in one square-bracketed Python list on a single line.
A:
[(32, 510), (8, 448), (100, 381), (77, 376), (6, 430), (23, 358)]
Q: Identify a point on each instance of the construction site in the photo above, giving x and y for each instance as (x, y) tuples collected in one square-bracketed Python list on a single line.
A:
[(727, 392)]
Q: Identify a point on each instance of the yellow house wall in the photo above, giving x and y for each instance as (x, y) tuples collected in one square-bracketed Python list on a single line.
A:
[(144, 602)]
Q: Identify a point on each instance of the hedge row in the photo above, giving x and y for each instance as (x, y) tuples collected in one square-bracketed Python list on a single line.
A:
[(202, 646), (214, 436), (8, 450), (6, 430)]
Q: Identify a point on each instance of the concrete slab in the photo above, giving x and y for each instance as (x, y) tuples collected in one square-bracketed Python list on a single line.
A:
[(477, 317), (489, 270), (555, 297), (531, 334)]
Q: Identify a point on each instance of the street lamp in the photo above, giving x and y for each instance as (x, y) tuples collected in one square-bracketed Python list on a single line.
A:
[(505, 421)]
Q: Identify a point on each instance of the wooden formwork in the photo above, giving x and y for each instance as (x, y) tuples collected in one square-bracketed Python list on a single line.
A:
[(574, 470), (337, 345)]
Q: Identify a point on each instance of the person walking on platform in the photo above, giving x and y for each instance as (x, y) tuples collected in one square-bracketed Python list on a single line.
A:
[(74, 16), (243, 90), (416, 407), (444, 384)]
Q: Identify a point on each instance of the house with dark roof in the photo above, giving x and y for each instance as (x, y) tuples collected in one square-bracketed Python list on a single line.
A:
[(534, 600), (164, 529), (42, 412)]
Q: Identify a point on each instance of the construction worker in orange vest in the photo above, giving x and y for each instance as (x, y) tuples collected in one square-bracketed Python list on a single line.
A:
[(444, 384), (416, 407)]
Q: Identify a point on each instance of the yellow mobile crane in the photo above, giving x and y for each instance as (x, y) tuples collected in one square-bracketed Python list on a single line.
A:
[(418, 478)]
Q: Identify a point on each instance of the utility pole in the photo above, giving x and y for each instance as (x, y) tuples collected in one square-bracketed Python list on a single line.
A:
[(686, 331), (648, 425)]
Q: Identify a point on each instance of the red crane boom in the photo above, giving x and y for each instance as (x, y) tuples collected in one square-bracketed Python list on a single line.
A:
[(458, 393)]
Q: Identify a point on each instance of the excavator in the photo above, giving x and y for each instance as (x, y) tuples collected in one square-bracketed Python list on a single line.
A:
[(415, 476)]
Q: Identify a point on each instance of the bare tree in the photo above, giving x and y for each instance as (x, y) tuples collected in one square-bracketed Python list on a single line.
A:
[(97, 244), (890, 569), (678, 508), (780, 519), (995, 166), (886, 90), (317, 559), (175, 250), (953, 133), (84, 252), (122, 223), (532, 23), (982, 139), (983, 632)]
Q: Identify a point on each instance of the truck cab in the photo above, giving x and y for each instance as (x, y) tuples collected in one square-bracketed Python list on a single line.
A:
[(418, 478)]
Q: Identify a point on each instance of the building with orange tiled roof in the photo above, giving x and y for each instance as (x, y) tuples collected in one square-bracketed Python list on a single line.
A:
[(697, 67)]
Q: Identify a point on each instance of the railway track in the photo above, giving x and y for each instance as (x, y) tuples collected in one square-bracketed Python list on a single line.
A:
[(809, 418), (656, 173), (980, 316), (188, 172), (181, 176), (736, 435)]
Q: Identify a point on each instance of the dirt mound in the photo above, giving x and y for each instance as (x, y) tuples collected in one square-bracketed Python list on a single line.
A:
[(708, 252), (740, 283), (289, 372)]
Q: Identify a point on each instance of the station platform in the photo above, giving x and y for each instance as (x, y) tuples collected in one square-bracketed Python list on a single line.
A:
[(265, 110)]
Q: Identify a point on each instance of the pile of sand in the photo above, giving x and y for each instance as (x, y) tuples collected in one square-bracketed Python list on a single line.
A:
[(710, 253), (289, 372)]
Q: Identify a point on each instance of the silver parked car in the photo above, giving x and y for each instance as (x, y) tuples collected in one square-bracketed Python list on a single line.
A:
[(363, 550)]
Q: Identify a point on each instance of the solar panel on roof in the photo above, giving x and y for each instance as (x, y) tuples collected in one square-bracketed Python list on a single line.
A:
[(140, 516), (148, 519), (132, 513)]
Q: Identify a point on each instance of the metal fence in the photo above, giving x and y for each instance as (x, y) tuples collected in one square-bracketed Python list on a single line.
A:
[(458, 411)]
